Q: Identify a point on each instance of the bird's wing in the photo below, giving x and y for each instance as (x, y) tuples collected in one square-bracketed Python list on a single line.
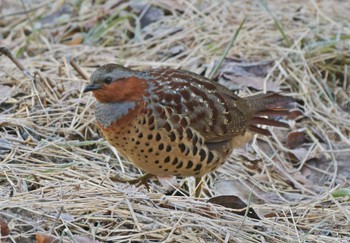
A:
[(200, 104)]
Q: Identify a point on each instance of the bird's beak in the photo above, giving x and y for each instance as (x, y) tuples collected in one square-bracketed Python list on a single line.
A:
[(91, 87)]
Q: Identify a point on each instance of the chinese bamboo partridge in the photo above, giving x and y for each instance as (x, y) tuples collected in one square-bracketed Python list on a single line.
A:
[(174, 122)]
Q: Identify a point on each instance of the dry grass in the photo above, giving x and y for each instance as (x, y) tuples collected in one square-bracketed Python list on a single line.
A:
[(55, 169)]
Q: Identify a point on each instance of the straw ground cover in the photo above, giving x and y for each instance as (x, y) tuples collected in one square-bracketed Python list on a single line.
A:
[(56, 171)]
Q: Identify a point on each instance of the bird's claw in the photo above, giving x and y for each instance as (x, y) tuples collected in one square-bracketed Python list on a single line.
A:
[(142, 180)]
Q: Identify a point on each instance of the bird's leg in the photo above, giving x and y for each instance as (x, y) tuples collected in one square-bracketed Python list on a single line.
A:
[(142, 180), (198, 186)]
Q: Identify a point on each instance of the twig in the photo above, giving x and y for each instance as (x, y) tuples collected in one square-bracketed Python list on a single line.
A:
[(77, 68), (228, 47), (4, 50)]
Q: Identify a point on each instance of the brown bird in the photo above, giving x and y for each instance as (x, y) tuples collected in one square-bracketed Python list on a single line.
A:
[(177, 123)]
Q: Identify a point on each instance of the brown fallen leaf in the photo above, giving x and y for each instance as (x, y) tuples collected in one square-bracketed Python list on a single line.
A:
[(4, 229), (234, 202), (243, 188), (323, 169), (295, 139), (236, 74), (46, 238), (294, 114), (73, 40)]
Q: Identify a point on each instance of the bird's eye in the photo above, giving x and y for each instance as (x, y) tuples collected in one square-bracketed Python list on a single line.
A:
[(108, 80)]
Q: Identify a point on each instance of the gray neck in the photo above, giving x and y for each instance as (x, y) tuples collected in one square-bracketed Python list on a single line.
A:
[(106, 113)]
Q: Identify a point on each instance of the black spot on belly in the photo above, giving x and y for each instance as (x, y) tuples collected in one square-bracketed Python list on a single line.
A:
[(195, 139), (167, 159), (179, 165), (203, 154), (198, 167), (158, 137), (150, 150), (182, 147), (172, 136), (189, 133), (168, 148), (195, 150), (175, 161), (140, 135), (161, 146), (210, 157), (189, 164), (149, 136), (156, 161)]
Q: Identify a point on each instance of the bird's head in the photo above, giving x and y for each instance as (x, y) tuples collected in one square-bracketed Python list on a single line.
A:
[(115, 83)]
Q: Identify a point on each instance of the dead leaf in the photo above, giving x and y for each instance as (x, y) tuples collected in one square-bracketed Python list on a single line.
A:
[(323, 170), (73, 40), (299, 154), (46, 238), (152, 14), (4, 229), (234, 202), (175, 50), (236, 74), (5, 92), (84, 239), (295, 139), (346, 106), (294, 114), (243, 188), (285, 168), (58, 16), (168, 183)]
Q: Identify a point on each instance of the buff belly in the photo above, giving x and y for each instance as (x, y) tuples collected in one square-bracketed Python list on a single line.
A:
[(161, 152)]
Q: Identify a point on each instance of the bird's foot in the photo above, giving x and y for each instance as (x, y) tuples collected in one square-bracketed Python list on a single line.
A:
[(142, 180)]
